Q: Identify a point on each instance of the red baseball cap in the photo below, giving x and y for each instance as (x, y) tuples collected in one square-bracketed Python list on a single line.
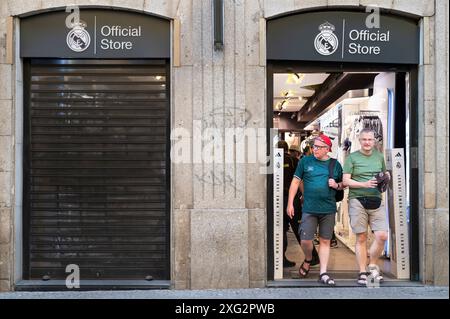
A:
[(325, 139)]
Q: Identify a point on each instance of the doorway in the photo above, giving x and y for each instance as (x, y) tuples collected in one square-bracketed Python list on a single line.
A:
[(305, 98)]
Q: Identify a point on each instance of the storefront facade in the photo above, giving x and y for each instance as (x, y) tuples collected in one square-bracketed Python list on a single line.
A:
[(214, 227)]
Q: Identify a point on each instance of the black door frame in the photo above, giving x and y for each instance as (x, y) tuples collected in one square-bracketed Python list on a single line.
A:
[(26, 209), (275, 66)]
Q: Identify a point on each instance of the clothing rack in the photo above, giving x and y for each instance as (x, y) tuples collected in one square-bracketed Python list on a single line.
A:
[(369, 116), (363, 112)]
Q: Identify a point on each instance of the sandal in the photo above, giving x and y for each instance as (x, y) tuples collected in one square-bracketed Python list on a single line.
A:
[(362, 279), (326, 280), (305, 271), (374, 274)]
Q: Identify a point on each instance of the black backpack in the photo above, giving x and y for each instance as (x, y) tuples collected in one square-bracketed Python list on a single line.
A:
[(339, 193)]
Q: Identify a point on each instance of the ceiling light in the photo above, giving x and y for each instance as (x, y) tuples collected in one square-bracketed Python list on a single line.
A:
[(287, 93), (278, 106), (295, 78), (290, 79)]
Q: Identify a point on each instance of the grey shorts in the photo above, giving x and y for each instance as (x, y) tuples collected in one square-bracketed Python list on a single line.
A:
[(309, 222), (360, 217)]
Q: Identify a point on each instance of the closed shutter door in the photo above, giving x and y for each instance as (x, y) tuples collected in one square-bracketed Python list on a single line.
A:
[(96, 190)]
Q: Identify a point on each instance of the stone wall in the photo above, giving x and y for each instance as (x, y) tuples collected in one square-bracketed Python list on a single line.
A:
[(224, 201), (435, 145), (6, 157)]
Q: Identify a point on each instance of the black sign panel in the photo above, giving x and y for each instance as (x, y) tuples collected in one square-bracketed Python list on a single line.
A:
[(97, 34), (341, 36)]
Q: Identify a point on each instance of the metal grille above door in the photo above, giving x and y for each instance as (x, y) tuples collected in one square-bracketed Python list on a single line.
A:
[(96, 169)]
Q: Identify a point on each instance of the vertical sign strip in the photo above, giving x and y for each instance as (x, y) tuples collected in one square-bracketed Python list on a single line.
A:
[(95, 35), (278, 213), (343, 37), (398, 224), (401, 225)]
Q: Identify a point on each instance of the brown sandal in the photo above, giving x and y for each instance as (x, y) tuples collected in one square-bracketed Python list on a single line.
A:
[(305, 271)]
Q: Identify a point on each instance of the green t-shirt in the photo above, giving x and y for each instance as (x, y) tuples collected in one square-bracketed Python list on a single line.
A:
[(363, 168), (319, 198)]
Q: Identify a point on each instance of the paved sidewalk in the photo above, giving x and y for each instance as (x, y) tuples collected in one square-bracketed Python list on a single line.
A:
[(427, 292)]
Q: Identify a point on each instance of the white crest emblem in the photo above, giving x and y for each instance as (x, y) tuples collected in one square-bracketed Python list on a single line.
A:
[(78, 39), (326, 42)]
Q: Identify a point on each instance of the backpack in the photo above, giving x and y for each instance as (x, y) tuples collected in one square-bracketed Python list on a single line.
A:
[(339, 193)]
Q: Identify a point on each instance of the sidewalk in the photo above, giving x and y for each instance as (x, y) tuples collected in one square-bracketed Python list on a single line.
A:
[(428, 292)]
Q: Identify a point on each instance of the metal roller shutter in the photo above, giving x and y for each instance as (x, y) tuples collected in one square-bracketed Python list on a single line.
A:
[(96, 169)]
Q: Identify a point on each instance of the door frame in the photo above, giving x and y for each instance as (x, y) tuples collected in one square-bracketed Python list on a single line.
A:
[(276, 66), (25, 283)]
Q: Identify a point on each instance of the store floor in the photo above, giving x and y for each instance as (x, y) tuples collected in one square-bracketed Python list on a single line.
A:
[(342, 262)]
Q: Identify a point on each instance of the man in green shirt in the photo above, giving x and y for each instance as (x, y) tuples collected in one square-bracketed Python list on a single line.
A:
[(319, 204), (365, 204)]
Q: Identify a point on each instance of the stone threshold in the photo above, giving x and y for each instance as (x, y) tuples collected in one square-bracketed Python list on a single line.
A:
[(313, 283), (60, 285)]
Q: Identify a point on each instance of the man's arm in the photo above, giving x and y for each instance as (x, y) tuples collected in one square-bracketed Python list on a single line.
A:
[(300, 185), (292, 193), (349, 182)]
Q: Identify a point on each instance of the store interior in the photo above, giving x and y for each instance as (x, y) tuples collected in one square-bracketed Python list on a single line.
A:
[(340, 104)]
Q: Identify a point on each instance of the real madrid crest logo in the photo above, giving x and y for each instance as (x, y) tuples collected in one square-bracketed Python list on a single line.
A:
[(326, 42), (78, 38)]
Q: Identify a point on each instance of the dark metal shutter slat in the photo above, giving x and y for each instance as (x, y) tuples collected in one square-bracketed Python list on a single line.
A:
[(97, 175)]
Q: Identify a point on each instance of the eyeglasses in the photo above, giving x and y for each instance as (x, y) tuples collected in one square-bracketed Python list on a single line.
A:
[(367, 139), (317, 147)]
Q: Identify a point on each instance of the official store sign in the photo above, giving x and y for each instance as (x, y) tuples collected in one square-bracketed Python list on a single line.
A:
[(95, 34), (78, 39), (342, 36)]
